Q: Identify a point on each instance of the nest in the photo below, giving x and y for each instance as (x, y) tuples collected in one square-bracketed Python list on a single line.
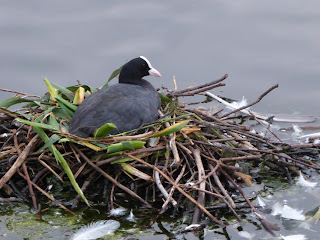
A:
[(187, 156)]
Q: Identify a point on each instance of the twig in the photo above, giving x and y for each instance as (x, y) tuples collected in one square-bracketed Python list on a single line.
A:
[(198, 91), (282, 156), (164, 205), (33, 196), (50, 169), (247, 157), (266, 127), (198, 87), (218, 196), (251, 104), (19, 161), (24, 167), (21, 93), (223, 190), (112, 192), (202, 185), (9, 199), (111, 179), (9, 138), (162, 189), (231, 168), (268, 225), (180, 190), (242, 144), (206, 191), (46, 194)]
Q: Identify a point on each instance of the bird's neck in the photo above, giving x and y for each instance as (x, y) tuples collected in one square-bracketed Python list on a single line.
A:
[(141, 82), (129, 80)]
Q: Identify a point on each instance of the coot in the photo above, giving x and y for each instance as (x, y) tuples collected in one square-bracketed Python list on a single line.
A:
[(129, 104)]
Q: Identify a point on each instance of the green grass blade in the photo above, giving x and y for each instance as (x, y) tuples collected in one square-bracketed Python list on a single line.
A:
[(66, 92), (68, 104), (53, 122), (61, 113), (104, 130), (68, 113), (112, 76), (53, 139), (13, 100), (174, 128), (52, 91), (36, 124)]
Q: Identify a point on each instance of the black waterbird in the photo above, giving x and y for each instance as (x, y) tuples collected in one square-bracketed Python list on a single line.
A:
[(129, 104)]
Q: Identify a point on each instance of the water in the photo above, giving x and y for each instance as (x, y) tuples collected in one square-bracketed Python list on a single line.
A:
[(258, 44)]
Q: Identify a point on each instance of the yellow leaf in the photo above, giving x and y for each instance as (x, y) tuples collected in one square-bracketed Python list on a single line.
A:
[(79, 96), (90, 145)]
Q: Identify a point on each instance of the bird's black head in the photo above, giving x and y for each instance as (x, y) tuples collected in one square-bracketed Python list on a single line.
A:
[(136, 69)]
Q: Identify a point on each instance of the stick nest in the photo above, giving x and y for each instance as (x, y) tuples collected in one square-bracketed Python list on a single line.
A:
[(188, 156)]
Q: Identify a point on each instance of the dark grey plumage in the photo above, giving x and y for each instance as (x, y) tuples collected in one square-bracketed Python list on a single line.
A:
[(129, 104)]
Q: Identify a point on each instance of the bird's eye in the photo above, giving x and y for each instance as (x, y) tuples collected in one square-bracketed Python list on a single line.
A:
[(144, 65)]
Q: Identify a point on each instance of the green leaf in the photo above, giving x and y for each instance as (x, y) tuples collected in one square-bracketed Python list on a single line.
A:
[(36, 124), (127, 145), (112, 76), (53, 122), (165, 98), (104, 130), (174, 128), (68, 113), (53, 139), (61, 113), (12, 101), (32, 104)]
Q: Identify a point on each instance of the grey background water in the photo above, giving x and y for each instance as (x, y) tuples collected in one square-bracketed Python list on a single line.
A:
[(258, 43)]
